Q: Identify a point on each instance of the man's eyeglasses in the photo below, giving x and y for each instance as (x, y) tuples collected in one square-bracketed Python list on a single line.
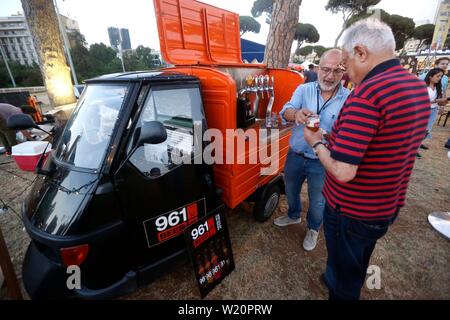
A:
[(337, 72)]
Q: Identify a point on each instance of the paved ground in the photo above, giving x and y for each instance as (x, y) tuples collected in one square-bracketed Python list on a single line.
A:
[(270, 262)]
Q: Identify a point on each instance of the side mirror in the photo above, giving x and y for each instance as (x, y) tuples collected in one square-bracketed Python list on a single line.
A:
[(152, 132), (20, 122)]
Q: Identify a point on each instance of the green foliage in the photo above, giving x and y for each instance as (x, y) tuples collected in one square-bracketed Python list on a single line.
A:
[(402, 27), (261, 6), (248, 24), (424, 33), (141, 59), (24, 76), (306, 32), (306, 50), (100, 59), (350, 7), (90, 62)]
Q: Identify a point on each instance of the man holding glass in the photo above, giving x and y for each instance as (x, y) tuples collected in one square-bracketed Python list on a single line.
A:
[(324, 98)]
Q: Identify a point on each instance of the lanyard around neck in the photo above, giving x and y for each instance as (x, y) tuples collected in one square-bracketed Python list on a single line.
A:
[(326, 102)]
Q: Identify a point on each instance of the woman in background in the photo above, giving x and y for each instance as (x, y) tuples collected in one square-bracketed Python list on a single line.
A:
[(433, 81)]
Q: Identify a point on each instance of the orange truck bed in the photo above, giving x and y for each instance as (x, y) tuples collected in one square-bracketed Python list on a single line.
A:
[(204, 41)]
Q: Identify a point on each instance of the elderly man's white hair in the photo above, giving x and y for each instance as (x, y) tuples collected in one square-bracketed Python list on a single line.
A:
[(371, 33)]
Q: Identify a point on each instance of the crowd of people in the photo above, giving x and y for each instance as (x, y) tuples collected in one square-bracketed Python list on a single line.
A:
[(359, 164)]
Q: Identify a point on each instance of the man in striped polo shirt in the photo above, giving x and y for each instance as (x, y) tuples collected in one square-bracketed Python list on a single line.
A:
[(371, 153)]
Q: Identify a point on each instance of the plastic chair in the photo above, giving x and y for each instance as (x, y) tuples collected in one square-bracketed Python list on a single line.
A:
[(446, 115)]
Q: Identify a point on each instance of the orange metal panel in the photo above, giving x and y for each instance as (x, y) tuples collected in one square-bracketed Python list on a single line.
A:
[(192, 32), (219, 94), (286, 81)]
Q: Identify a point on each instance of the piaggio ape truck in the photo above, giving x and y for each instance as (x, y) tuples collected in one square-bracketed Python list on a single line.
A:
[(111, 197)]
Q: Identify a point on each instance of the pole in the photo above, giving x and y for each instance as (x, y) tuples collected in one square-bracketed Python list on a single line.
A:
[(7, 66), (62, 28), (8, 270), (120, 50)]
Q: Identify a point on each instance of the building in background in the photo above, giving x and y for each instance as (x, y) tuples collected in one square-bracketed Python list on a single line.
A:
[(126, 42), (70, 24), (442, 24), (16, 40), (115, 37)]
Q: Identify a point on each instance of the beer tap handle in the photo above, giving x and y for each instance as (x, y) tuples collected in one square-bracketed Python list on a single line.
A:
[(258, 87), (263, 87)]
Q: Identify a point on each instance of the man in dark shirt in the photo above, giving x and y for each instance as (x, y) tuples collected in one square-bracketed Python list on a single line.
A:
[(8, 136), (371, 155), (310, 75)]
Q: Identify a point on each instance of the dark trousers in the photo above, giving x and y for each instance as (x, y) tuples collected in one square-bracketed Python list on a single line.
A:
[(350, 244)]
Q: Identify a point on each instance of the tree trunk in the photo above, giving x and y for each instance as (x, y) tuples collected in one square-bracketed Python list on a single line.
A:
[(43, 24), (419, 46), (339, 36), (281, 33), (299, 44)]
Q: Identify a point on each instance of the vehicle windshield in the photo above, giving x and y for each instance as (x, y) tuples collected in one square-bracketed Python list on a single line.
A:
[(87, 134)]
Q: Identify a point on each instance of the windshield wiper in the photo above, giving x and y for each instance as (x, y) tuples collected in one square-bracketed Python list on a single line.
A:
[(67, 153)]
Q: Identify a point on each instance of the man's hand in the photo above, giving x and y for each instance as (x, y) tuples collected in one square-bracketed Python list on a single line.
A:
[(301, 116), (312, 137)]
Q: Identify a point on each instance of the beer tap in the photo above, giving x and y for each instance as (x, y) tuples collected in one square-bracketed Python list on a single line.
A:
[(261, 85), (256, 88), (272, 98), (266, 85)]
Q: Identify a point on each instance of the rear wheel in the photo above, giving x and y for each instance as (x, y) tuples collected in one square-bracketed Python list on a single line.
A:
[(266, 203)]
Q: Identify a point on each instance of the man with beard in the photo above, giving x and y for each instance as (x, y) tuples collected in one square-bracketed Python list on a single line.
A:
[(325, 98)]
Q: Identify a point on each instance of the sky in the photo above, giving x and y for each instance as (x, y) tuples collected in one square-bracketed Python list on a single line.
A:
[(95, 16)]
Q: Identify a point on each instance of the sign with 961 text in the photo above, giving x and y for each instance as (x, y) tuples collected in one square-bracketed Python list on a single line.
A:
[(172, 224), (209, 247)]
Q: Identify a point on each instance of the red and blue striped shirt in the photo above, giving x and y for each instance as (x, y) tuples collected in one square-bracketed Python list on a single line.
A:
[(379, 129)]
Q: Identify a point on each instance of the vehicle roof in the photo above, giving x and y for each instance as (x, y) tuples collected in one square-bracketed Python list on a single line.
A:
[(155, 76)]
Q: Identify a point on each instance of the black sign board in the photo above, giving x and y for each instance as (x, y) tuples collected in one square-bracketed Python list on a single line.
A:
[(172, 224), (209, 247)]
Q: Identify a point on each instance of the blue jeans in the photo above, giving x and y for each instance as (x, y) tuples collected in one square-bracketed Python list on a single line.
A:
[(350, 244), (296, 170), (431, 121)]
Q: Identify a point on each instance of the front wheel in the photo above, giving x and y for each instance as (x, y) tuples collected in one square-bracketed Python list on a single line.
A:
[(267, 203)]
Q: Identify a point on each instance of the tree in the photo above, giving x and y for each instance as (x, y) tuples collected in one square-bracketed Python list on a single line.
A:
[(104, 59), (306, 50), (281, 33), (306, 32), (263, 6), (424, 34), (248, 24), (402, 27), (147, 58), (44, 29), (24, 76), (348, 8)]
